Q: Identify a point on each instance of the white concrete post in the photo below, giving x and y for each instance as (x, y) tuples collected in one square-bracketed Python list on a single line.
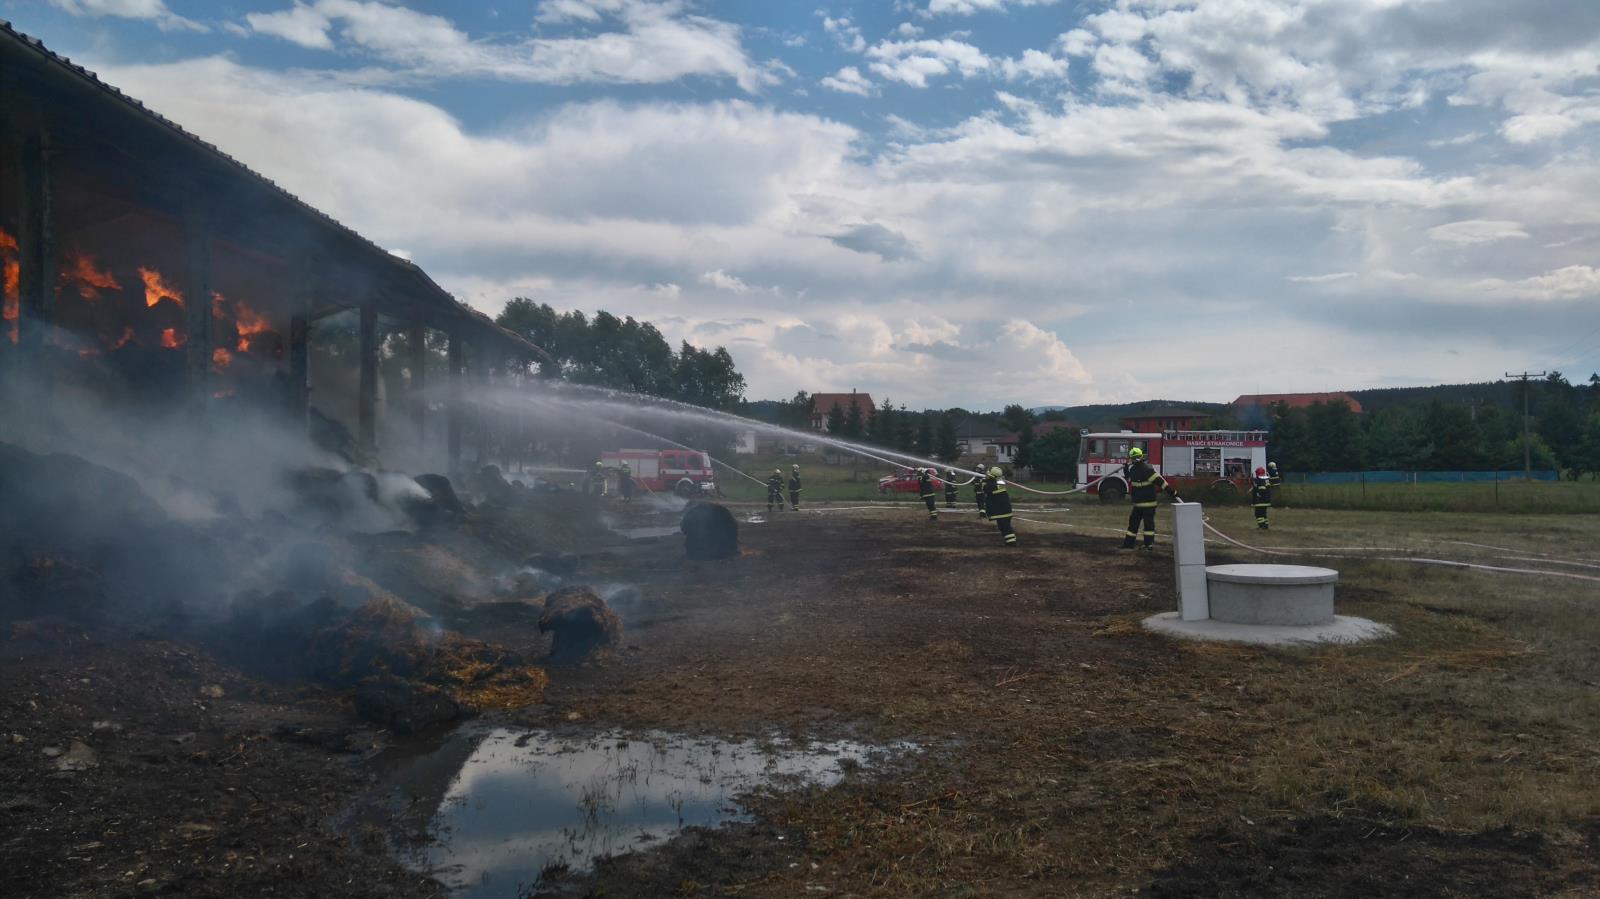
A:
[(1189, 561)]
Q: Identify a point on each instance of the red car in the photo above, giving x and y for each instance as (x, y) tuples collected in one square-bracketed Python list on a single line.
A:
[(906, 482)]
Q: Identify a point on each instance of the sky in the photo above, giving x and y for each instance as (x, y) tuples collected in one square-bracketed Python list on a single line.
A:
[(945, 202)]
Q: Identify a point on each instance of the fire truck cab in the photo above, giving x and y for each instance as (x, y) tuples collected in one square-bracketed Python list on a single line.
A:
[(1185, 458), (687, 473)]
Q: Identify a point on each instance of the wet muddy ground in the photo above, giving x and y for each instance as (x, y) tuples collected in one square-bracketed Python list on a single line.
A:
[(1061, 751)]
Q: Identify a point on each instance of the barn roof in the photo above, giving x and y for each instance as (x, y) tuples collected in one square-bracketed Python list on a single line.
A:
[(25, 60)]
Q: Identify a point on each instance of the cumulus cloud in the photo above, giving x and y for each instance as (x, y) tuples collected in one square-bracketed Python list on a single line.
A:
[(849, 80), (303, 25), (844, 32), (653, 43), (721, 280), (1467, 233), (1572, 282), (914, 62), (150, 10), (968, 7)]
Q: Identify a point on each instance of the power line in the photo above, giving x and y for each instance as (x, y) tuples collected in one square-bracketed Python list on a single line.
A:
[(1527, 447)]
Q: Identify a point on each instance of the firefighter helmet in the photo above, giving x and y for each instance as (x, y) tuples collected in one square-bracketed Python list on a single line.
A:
[(1261, 472), (777, 471), (795, 466), (1136, 453), (995, 472)]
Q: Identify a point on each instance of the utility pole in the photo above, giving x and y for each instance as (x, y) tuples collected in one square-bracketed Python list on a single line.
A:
[(1527, 446)]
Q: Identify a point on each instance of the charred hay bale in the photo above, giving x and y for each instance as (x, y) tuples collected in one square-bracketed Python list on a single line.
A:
[(442, 492), (383, 636), (710, 532), (406, 706), (493, 485), (580, 623)]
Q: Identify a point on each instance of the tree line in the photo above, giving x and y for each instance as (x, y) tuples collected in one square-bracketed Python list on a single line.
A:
[(1434, 434), (625, 354)]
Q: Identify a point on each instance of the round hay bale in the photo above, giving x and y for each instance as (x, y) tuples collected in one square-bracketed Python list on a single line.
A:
[(580, 622), (406, 706), (710, 532)]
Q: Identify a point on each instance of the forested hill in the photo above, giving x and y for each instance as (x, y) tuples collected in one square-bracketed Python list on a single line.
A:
[(1505, 394), (1108, 415)]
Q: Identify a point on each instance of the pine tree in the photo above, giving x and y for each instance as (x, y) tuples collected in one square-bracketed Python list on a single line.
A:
[(945, 444)]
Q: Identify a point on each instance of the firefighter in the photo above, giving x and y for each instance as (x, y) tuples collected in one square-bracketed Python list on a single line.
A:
[(794, 486), (1145, 484), (950, 489), (775, 490), (925, 485), (980, 485), (625, 482), (1272, 474), (597, 479), (1261, 497), (997, 503)]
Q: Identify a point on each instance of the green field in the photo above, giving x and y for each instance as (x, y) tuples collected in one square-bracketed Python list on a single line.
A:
[(855, 480)]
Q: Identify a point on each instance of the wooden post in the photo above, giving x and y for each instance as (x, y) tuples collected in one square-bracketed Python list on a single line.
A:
[(197, 293), (453, 414), (300, 345), (36, 240), (480, 379), (418, 338), (367, 411)]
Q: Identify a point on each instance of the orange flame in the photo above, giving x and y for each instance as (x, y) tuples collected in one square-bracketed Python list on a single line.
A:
[(221, 358), (156, 287), (172, 338), (127, 335), (90, 280), (11, 280), (249, 324)]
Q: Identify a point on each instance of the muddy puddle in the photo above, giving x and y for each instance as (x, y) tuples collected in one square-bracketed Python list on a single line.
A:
[(488, 810)]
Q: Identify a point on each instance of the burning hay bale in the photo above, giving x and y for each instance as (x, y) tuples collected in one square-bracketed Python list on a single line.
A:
[(710, 532), (581, 623)]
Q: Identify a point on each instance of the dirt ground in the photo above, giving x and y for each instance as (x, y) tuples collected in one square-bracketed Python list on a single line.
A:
[(1062, 750)]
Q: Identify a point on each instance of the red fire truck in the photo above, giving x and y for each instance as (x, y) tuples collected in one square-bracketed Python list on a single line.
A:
[(684, 472), (1185, 458)]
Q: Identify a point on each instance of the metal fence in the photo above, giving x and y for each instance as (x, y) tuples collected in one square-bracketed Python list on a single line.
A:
[(1416, 477)]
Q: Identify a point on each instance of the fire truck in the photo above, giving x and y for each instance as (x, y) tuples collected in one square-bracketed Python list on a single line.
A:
[(1187, 459), (684, 472)]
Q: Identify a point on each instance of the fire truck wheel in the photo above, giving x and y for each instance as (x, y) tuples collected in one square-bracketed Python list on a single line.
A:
[(1111, 492), (684, 488), (1225, 485)]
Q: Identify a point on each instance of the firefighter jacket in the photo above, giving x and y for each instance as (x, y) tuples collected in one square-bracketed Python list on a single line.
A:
[(950, 490), (1145, 483), (998, 501), (775, 486), (925, 482), (794, 483), (1261, 492), (980, 491)]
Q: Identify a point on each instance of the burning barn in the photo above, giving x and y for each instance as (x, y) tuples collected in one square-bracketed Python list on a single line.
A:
[(145, 267)]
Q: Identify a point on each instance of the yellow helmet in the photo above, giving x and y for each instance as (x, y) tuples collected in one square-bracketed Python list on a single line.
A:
[(1136, 453), (995, 472), (777, 471)]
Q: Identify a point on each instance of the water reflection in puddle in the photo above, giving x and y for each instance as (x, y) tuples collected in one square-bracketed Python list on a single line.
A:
[(499, 806)]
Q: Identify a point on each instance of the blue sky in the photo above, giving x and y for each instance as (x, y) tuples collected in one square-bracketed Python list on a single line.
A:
[(943, 201)]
